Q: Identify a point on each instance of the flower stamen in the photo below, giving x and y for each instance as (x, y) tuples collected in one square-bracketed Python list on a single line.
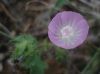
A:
[(67, 32)]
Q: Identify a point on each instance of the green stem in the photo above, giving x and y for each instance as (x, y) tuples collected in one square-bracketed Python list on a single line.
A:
[(4, 34), (93, 46), (90, 62)]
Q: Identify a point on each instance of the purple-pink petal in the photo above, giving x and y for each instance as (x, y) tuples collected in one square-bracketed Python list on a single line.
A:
[(53, 38), (83, 27), (55, 24), (70, 17), (68, 29)]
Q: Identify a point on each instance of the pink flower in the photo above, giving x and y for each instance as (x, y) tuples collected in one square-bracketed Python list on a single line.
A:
[(68, 29)]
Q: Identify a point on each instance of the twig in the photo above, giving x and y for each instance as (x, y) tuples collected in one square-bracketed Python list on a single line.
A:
[(84, 13), (27, 26), (76, 68), (2, 33), (8, 14), (5, 29), (15, 19), (48, 6)]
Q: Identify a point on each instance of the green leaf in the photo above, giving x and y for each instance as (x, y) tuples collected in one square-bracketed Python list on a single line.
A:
[(38, 67), (24, 45), (27, 46), (29, 50), (41, 64), (33, 59), (20, 47), (18, 39), (30, 38), (29, 60), (36, 70), (60, 55)]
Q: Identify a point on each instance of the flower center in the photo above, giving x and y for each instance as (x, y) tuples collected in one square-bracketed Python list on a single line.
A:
[(67, 32)]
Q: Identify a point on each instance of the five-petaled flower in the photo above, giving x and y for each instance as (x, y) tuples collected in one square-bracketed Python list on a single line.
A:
[(68, 29)]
